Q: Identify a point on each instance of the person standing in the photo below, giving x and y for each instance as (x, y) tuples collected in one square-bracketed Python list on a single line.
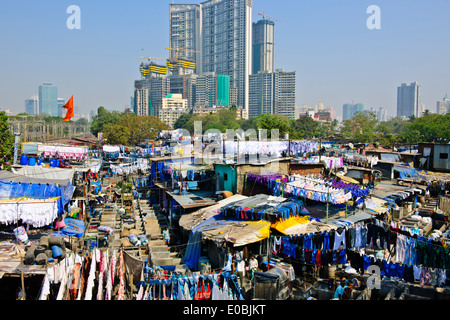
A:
[(166, 235), (253, 266)]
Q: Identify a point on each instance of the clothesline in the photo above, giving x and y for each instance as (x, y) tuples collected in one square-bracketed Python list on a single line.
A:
[(28, 200)]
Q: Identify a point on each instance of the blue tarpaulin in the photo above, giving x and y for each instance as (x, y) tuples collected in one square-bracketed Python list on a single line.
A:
[(17, 186), (74, 228), (406, 172), (193, 250)]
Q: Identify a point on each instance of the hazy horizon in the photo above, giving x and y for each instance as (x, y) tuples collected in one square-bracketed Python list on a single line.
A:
[(337, 59)]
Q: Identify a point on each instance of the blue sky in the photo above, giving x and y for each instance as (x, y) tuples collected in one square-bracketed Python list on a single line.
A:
[(336, 57)]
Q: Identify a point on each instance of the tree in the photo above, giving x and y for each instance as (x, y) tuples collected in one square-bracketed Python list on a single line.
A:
[(132, 130), (360, 127), (246, 124), (227, 119), (116, 134), (105, 117), (273, 122), (222, 120), (7, 141), (82, 121), (395, 126), (303, 127), (182, 121), (143, 127), (428, 128)]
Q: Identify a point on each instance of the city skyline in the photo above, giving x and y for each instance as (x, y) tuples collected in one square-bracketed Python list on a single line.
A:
[(337, 59)]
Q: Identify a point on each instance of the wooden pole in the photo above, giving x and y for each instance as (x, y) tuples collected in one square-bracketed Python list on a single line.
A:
[(328, 194)]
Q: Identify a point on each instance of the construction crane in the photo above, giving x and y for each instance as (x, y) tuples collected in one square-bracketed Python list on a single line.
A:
[(184, 69), (181, 49), (264, 16), (151, 58)]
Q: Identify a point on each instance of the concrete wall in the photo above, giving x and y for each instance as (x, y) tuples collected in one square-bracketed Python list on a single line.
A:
[(230, 183), (306, 169)]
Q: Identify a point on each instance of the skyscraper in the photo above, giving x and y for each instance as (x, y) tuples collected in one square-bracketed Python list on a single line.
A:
[(184, 32), (159, 88), (142, 105), (211, 90), (61, 110), (32, 105), (273, 93), (285, 93), (263, 46), (261, 94), (382, 114), (48, 99), (443, 106), (226, 32), (409, 100), (349, 110)]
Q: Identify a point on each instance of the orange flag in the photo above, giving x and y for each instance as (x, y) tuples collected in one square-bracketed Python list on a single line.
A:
[(69, 107)]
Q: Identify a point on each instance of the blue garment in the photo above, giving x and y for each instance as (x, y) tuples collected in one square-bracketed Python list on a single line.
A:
[(326, 241), (307, 242), (314, 256), (366, 262), (342, 256), (400, 270), (339, 292)]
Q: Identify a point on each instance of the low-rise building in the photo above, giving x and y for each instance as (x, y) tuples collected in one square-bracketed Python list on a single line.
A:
[(173, 106)]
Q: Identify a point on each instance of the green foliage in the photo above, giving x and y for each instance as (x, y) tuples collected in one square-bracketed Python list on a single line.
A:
[(395, 126), (182, 121), (105, 117), (428, 128), (222, 120), (82, 121), (132, 130), (304, 127), (116, 133), (7, 140), (273, 122), (361, 127)]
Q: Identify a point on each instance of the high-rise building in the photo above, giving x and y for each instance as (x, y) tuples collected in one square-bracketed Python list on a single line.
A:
[(359, 107), (32, 105), (349, 110), (382, 115), (409, 100), (319, 107), (226, 32), (443, 106), (142, 105), (211, 90), (272, 92), (184, 32), (263, 46), (48, 99), (331, 110), (61, 110), (217, 36), (149, 91), (159, 88), (261, 94), (285, 93)]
